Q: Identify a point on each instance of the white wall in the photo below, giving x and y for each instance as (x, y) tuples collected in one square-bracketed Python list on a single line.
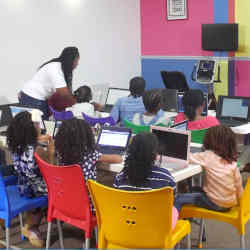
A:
[(107, 33)]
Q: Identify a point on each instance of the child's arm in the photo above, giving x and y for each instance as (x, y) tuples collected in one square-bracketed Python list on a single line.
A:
[(238, 183), (199, 158), (110, 158)]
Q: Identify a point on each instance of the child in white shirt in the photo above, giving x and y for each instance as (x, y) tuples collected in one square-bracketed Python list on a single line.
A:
[(83, 97)]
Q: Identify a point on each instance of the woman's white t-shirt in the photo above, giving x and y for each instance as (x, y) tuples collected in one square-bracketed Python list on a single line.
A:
[(45, 82)]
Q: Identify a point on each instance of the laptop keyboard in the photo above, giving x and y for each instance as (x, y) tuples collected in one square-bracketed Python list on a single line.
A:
[(231, 123), (111, 151)]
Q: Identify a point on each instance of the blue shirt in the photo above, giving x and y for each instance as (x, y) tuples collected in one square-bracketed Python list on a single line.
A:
[(158, 178), (126, 107)]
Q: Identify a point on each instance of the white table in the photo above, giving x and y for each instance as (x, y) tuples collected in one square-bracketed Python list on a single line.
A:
[(179, 175)]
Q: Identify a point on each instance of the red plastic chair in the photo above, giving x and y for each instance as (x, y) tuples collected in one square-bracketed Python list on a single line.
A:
[(68, 199)]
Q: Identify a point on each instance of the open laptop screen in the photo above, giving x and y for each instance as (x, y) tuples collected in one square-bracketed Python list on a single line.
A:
[(114, 94), (172, 144), (234, 107), (111, 137), (17, 109), (180, 125), (181, 107)]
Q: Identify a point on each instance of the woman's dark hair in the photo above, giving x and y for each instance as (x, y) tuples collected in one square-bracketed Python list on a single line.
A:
[(21, 133), (152, 100), (137, 86), (222, 141), (74, 139), (141, 156), (66, 59), (83, 94), (191, 100)]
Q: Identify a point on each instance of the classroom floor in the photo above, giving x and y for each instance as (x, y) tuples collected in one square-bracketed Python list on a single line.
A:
[(219, 234)]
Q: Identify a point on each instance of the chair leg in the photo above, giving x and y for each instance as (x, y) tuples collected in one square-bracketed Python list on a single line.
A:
[(21, 225), (7, 233), (201, 233), (243, 242), (87, 243), (48, 235), (189, 241), (60, 233), (96, 235)]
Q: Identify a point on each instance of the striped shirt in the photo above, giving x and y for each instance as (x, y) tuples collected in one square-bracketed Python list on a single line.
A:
[(158, 178)]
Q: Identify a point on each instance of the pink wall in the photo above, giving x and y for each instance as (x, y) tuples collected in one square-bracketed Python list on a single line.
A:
[(242, 76), (173, 38)]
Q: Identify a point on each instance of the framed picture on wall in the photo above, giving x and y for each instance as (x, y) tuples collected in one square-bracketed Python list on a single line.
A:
[(176, 9)]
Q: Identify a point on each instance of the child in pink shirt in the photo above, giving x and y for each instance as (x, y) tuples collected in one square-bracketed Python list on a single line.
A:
[(222, 187), (193, 102)]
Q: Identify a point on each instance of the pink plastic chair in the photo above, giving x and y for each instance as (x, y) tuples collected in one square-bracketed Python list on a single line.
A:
[(68, 199)]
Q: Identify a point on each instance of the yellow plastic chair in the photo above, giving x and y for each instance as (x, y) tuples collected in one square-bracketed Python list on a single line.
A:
[(197, 136), (237, 216), (136, 219)]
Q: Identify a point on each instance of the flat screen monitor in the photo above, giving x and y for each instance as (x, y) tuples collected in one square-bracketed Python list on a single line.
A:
[(220, 36)]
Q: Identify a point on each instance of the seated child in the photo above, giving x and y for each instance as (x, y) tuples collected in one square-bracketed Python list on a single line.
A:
[(193, 103), (23, 139), (75, 144), (153, 115), (222, 187), (140, 171), (83, 97), (126, 107)]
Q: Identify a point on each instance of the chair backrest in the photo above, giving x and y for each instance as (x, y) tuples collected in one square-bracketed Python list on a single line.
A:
[(92, 121), (197, 136), (174, 80), (132, 219), (245, 203), (136, 129), (4, 200), (67, 192), (60, 116)]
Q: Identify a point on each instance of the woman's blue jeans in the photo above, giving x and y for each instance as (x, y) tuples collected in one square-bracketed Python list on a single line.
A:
[(35, 103)]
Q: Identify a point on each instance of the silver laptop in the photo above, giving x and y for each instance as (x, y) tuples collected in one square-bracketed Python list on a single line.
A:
[(113, 95), (174, 147), (113, 140), (181, 107), (233, 110)]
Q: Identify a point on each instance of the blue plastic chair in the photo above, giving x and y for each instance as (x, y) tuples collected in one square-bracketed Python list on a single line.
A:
[(105, 121), (12, 204)]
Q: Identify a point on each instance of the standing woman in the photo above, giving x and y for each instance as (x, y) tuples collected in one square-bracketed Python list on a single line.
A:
[(54, 76)]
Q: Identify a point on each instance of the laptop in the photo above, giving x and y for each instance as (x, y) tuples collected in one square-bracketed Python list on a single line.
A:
[(15, 109), (233, 111), (181, 108), (169, 100), (5, 118), (180, 126), (113, 95), (57, 125), (113, 140), (174, 147)]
